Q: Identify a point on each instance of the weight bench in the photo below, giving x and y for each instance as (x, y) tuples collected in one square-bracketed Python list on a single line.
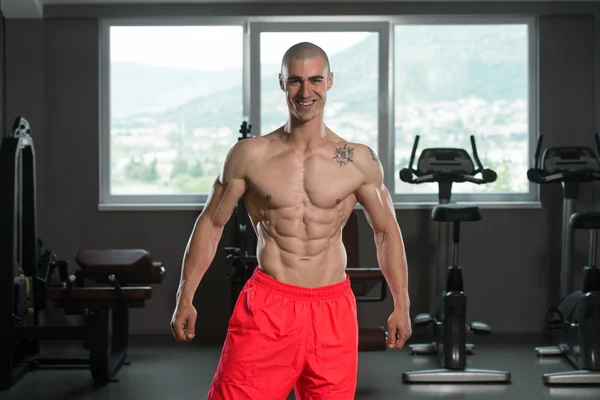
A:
[(123, 276), (363, 280)]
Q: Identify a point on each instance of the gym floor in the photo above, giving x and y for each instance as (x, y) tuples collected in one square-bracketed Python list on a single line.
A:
[(162, 369)]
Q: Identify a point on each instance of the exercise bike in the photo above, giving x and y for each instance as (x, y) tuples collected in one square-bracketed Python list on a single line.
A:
[(575, 323), (447, 166)]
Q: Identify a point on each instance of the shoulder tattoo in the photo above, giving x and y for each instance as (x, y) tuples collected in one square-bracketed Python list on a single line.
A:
[(374, 156), (343, 155)]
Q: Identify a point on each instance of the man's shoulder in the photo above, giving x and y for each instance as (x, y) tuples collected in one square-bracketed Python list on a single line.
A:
[(362, 156), (247, 148), (359, 152)]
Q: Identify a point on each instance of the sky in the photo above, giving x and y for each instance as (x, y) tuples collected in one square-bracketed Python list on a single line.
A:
[(212, 47)]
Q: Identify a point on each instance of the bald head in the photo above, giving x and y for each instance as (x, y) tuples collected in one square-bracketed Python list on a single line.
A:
[(303, 51), (305, 79)]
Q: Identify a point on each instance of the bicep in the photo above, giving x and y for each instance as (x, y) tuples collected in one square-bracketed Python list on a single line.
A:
[(229, 187), (222, 200), (378, 206), (373, 194)]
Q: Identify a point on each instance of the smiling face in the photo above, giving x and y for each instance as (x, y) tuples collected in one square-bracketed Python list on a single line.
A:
[(305, 81)]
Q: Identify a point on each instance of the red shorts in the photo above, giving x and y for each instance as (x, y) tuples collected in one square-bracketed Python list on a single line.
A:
[(282, 337)]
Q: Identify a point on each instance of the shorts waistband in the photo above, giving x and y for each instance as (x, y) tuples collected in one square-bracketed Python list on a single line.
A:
[(259, 278)]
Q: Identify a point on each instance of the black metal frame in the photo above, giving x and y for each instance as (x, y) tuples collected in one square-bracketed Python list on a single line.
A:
[(447, 166), (241, 260), (2, 75), (574, 323), (25, 277), (107, 353), (18, 241)]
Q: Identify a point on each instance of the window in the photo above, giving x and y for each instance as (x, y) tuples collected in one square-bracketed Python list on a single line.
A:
[(175, 108), (352, 102), (174, 97), (457, 80)]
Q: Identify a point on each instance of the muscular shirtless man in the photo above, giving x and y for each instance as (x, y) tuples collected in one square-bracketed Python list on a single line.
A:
[(294, 324)]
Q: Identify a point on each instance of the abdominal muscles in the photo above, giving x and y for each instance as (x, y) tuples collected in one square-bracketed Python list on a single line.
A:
[(302, 239)]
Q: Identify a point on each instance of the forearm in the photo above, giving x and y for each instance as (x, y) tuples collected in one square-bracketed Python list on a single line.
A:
[(198, 256), (391, 257)]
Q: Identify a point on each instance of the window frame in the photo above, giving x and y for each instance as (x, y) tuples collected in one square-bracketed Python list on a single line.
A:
[(153, 201), (251, 81), (497, 200)]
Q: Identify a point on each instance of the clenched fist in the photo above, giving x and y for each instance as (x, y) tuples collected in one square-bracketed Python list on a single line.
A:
[(183, 323), (399, 328)]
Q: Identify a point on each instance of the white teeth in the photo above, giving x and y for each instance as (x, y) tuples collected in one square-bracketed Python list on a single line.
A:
[(305, 103)]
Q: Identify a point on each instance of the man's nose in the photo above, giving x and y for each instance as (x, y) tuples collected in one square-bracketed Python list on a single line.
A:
[(304, 90)]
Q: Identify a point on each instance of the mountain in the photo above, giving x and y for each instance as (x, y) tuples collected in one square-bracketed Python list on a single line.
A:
[(138, 88), (451, 62), (430, 65)]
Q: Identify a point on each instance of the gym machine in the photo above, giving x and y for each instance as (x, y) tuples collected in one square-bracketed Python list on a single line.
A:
[(447, 166), (240, 258), (364, 281), (575, 323), (32, 277)]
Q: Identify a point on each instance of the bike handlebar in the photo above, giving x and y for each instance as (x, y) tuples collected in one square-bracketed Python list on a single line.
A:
[(539, 175), (487, 176), (410, 175)]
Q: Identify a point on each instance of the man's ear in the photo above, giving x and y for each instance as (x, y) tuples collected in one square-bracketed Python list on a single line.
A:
[(281, 83), (330, 81)]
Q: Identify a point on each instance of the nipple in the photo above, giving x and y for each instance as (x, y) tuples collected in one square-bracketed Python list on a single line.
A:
[(337, 201), (268, 197)]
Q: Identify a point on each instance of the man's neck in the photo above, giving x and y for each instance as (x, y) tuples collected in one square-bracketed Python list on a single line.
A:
[(305, 134)]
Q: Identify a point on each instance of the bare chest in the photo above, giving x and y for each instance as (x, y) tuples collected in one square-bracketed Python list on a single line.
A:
[(289, 180)]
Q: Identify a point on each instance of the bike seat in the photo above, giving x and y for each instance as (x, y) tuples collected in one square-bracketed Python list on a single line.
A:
[(585, 220), (456, 213)]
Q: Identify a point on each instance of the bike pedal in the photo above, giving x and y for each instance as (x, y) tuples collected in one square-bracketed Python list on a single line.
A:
[(423, 319), (480, 328)]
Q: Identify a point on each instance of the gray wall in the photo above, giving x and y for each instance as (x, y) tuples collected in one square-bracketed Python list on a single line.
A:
[(510, 259)]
